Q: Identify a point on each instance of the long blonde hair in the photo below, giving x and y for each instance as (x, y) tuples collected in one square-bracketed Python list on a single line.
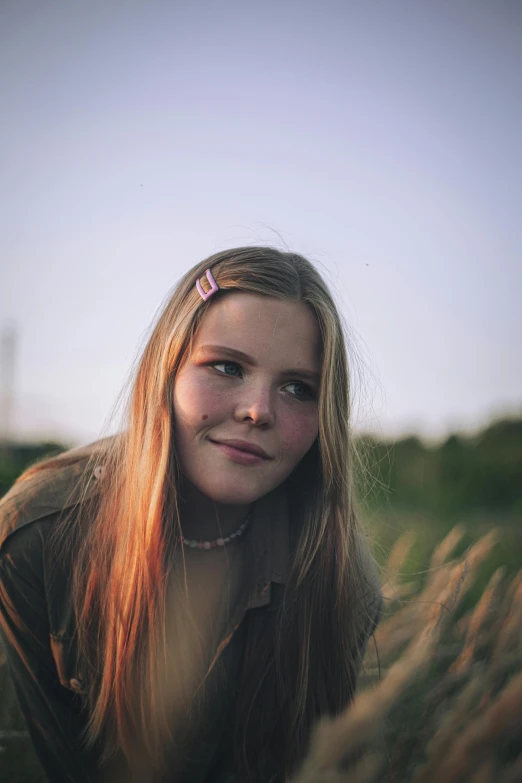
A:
[(301, 660)]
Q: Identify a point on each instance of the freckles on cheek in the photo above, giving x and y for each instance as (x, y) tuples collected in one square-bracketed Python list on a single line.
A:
[(299, 433), (194, 400), (197, 406)]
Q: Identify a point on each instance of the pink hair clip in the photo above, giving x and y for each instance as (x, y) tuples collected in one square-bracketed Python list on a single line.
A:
[(213, 286)]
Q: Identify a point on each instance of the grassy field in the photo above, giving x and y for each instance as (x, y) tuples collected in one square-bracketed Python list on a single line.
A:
[(441, 697), (441, 694)]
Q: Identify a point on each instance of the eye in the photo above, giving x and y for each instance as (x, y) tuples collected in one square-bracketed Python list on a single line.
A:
[(307, 393), (225, 364)]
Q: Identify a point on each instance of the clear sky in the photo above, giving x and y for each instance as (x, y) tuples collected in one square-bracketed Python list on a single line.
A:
[(381, 139)]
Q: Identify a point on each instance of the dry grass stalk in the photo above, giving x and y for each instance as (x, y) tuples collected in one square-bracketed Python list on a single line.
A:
[(411, 612), (509, 631), (456, 718), (512, 589), (463, 719), (393, 589), (477, 553), (471, 559), (446, 546), (334, 739), (500, 719), (461, 626), (476, 622), (392, 634)]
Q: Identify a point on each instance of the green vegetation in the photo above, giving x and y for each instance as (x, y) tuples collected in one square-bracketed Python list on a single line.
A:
[(463, 475), (16, 457), (473, 481)]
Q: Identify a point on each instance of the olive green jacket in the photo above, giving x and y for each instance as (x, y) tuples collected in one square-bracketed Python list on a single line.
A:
[(37, 623)]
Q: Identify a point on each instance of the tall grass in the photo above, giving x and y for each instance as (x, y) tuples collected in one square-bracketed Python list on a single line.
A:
[(441, 695)]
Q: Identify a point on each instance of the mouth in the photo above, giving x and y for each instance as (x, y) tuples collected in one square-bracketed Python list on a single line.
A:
[(244, 446), (244, 455)]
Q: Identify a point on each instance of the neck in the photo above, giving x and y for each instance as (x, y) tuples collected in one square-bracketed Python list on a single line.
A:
[(203, 519)]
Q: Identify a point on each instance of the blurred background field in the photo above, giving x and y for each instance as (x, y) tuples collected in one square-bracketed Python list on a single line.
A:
[(413, 498)]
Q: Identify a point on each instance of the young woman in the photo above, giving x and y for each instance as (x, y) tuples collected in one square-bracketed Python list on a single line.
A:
[(182, 601)]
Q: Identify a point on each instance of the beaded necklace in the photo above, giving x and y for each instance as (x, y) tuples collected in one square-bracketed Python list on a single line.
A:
[(218, 541)]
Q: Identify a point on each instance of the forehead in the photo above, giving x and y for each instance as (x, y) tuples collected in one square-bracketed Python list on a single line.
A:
[(268, 327)]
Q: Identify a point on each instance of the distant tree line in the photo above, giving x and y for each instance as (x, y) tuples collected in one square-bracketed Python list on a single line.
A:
[(464, 473)]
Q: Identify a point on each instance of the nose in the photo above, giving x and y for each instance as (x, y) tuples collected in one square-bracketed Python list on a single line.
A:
[(256, 405)]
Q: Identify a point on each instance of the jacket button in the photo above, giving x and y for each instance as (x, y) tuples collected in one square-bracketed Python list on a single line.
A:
[(75, 684), (98, 471)]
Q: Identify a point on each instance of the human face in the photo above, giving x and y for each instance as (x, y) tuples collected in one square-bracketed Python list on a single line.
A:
[(267, 399)]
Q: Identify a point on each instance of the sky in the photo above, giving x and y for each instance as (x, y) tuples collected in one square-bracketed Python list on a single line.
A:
[(383, 140)]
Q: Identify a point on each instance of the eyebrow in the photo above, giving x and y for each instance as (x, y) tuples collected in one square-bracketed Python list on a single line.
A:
[(244, 357)]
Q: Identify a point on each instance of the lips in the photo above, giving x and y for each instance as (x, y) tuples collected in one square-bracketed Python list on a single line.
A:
[(244, 446)]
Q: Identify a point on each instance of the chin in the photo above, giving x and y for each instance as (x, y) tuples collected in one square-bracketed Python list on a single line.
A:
[(234, 495)]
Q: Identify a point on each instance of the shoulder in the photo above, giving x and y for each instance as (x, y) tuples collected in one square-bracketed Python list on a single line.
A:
[(43, 493)]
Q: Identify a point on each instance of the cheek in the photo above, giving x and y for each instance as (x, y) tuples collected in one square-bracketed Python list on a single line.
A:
[(195, 401), (298, 433)]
